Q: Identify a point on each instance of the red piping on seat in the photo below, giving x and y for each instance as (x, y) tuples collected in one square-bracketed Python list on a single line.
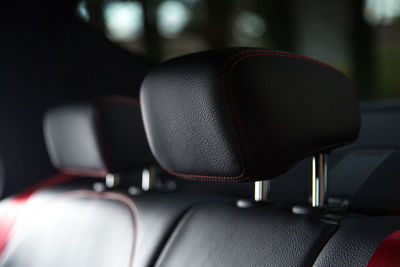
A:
[(85, 172), (114, 196), (387, 253), (13, 206)]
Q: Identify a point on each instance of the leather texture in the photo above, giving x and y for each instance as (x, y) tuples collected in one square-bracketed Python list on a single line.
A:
[(55, 223), (224, 235), (245, 114), (355, 241), (74, 229), (158, 215), (96, 138), (12, 207)]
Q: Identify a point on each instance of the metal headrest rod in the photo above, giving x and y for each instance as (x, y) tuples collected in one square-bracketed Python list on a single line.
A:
[(261, 190), (319, 180), (148, 178), (112, 180)]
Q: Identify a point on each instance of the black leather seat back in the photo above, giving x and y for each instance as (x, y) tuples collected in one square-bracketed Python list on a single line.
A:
[(73, 229), (225, 235)]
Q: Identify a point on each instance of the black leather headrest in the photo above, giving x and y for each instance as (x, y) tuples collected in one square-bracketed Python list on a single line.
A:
[(97, 138), (245, 114)]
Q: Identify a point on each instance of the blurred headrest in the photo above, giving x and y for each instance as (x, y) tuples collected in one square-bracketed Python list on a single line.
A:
[(97, 138), (245, 114)]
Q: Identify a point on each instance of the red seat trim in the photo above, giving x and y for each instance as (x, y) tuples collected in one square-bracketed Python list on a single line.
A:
[(14, 205), (387, 253)]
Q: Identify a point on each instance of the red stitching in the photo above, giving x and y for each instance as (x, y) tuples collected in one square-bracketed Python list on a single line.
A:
[(113, 196), (255, 50), (230, 118), (287, 55), (250, 165), (294, 55), (85, 172), (262, 52), (202, 177), (237, 143), (16, 204)]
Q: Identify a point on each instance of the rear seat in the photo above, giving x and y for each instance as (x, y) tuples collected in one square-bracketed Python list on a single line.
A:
[(69, 223), (73, 228), (262, 235), (124, 148), (204, 125)]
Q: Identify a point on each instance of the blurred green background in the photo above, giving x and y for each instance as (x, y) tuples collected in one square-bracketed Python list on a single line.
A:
[(359, 37)]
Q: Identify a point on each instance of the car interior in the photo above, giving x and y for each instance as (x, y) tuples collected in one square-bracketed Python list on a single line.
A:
[(199, 133)]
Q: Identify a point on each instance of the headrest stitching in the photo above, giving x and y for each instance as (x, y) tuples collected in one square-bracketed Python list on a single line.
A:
[(259, 52)]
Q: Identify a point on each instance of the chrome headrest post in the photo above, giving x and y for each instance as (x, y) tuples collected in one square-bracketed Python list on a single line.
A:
[(319, 180), (261, 190), (147, 179), (112, 180)]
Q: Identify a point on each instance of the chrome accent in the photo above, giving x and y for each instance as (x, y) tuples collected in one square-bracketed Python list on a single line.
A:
[(319, 180), (261, 190), (148, 180), (112, 180)]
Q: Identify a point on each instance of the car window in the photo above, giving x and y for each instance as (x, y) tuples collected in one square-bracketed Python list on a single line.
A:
[(361, 38)]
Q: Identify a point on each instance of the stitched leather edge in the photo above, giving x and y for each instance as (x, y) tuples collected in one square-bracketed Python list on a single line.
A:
[(20, 199), (126, 201), (250, 52), (287, 55)]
